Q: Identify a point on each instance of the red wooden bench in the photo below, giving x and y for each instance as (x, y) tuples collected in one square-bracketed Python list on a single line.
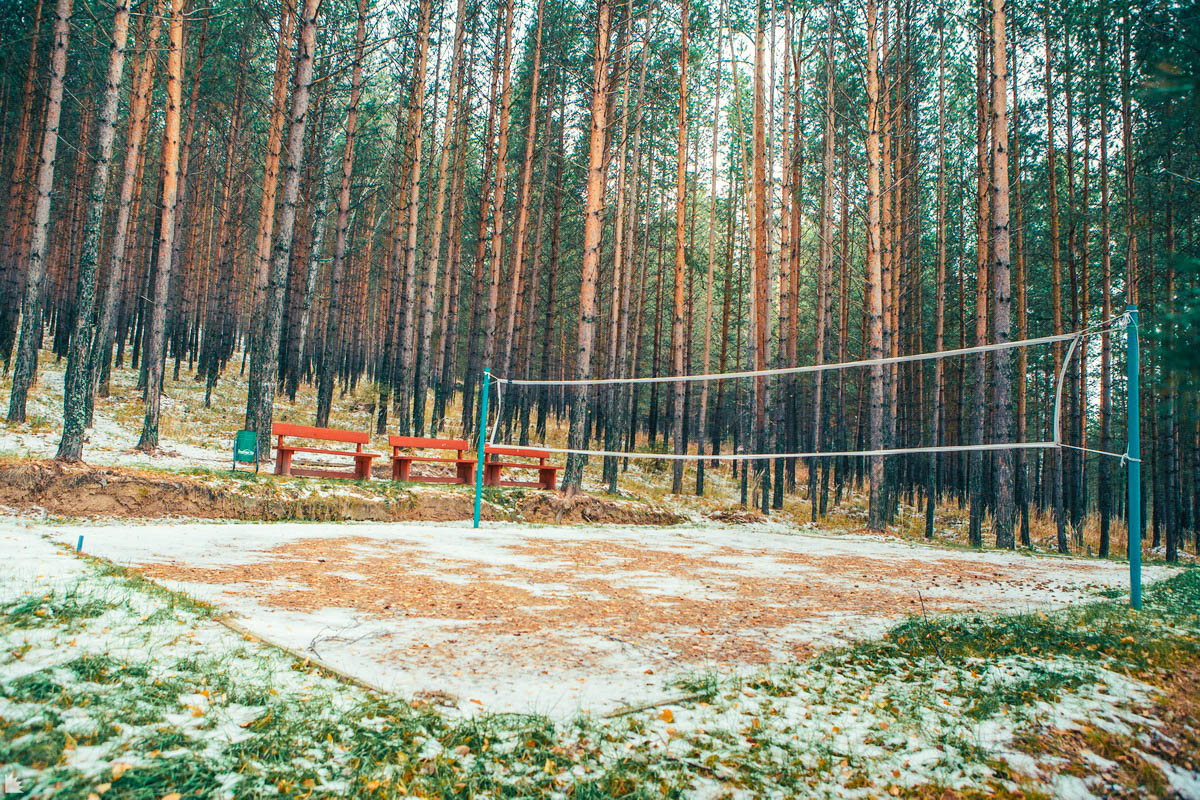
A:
[(284, 452), (402, 461), (493, 465)]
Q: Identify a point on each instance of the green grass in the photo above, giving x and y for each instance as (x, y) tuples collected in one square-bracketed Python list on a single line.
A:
[(36, 611)]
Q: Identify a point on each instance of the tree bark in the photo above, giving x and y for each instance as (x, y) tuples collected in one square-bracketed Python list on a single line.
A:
[(424, 362), (14, 210), (1056, 478), (824, 267), (77, 376), (523, 197), (593, 231), (499, 184), (1005, 512), (932, 489), (412, 207), (341, 244), (135, 137), (680, 254), (261, 259), (702, 433), (25, 364), (977, 460), (1104, 487), (154, 355), (874, 289), (264, 361)]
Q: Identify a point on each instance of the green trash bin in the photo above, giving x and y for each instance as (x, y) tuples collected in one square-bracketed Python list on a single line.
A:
[(245, 449)]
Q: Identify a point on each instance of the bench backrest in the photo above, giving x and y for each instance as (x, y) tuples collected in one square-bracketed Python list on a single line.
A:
[(519, 452), (426, 443), (325, 434)]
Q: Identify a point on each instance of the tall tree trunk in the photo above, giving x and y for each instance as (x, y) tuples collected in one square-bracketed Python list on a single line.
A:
[(614, 394), (14, 209), (25, 365), (977, 459), (1021, 479), (154, 355), (407, 325), (874, 288), (329, 354), (424, 361), (498, 188), (523, 197), (130, 184), (1104, 487), (593, 231), (261, 260), (760, 319), (177, 288), (77, 376), (702, 433), (264, 362), (932, 489), (1005, 513), (824, 266), (680, 255), (219, 318), (1056, 456), (1131, 245)]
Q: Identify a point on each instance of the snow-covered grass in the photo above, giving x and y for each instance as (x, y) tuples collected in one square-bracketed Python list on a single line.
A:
[(112, 687), (557, 619)]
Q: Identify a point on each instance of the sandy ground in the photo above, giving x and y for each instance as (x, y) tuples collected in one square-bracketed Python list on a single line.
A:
[(562, 619)]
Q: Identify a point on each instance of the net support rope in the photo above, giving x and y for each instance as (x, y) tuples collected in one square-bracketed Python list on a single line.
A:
[(868, 362), (1074, 338)]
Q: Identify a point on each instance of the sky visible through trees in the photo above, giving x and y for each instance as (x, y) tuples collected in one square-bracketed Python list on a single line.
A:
[(348, 193)]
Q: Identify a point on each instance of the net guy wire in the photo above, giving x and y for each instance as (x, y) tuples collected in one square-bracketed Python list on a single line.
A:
[(1073, 338)]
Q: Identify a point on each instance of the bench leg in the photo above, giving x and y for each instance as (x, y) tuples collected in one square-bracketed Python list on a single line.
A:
[(401, 468), (283, 462), (466, 474), (491, 475), (362, 469), (546, 478)]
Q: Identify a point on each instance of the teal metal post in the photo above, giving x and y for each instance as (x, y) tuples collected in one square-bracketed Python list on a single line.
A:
[(1134, 450), (483, 403)]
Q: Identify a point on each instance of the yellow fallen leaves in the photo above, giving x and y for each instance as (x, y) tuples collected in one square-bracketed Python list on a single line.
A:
[(667, 715), (120, 768), (172, 796)]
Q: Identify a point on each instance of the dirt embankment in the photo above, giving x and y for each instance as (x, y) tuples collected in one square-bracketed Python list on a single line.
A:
[(80, 490)]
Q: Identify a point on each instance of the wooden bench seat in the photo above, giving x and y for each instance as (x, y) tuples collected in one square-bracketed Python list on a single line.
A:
[(403, 458), (493, 466), (284, 452)]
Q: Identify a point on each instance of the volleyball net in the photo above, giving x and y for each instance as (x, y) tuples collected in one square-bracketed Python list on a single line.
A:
[(634, 417)]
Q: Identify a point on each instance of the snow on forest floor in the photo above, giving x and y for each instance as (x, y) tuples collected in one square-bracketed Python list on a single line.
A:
[(557, 620), (111, 686)]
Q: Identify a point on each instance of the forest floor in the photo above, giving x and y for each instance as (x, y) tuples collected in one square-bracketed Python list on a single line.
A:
[(670, 646)]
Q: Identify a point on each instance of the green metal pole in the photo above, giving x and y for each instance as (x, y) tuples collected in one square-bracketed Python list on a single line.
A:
[(483, 403), (1134, 449)]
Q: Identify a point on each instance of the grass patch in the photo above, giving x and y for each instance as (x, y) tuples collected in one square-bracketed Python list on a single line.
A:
[(36, 611)]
